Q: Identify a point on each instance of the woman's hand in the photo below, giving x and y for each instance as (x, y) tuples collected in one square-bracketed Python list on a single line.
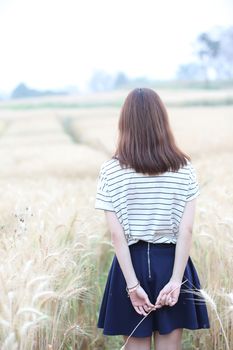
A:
[(169, 294), (140, 301)]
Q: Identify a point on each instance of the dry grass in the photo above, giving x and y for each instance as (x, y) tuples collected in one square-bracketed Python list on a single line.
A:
[(50, 258), (54, 247), (201, 131)]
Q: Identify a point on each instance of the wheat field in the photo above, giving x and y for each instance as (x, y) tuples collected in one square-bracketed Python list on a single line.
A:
[(55, 248)]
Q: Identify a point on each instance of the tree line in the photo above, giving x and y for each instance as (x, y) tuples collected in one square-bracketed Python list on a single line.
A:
[(213, 57)]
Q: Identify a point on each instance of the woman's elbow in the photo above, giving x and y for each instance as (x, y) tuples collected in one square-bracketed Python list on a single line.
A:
[(186, 231), (189, 233), (116, 237)]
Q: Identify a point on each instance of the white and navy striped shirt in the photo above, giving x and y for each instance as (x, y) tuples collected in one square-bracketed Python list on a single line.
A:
[(149, 207)]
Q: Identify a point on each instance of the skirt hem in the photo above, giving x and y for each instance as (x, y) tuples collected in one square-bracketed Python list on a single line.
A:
[(115, 333), (153, 266)]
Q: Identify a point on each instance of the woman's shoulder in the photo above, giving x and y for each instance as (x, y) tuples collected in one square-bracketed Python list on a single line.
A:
[(109, 164), (190, 165), (189, 169), (112, 165)]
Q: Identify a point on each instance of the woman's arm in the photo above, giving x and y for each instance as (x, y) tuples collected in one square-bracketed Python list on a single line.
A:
[(184, 241), (183, 246), (121, 248), (139, 297)]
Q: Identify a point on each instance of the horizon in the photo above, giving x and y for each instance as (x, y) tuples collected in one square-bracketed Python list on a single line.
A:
[(56, 45)]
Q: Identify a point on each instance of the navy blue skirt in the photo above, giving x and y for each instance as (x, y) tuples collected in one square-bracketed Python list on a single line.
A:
[(117, 315)]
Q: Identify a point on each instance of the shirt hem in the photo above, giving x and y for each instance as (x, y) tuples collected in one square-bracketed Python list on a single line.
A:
[(193, 196)]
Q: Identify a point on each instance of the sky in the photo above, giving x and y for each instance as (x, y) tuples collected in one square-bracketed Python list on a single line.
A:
[(51, 44)]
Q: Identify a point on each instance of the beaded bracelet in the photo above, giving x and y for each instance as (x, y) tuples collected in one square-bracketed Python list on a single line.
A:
[(132, 289)]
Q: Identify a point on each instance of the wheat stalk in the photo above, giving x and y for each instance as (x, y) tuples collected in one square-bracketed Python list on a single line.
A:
[(208, 298)]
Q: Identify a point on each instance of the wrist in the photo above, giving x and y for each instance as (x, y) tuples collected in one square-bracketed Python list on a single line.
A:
[(132, 289), (131, 283), (176, 279)]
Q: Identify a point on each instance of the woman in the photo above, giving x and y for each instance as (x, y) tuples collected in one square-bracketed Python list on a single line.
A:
[(148, 191)]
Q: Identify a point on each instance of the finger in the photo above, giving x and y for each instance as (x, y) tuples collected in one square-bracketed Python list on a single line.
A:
[(163, 299), (168, 300), (174, 301), (146, 307), (157, 306), (149, 304), (159, 297), (158, 302), (137, 310), (171, 300), (163, 293), (149, 308), (142, 310)]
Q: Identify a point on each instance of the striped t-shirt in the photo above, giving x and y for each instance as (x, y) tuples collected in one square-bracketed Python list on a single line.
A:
[(149, 207)]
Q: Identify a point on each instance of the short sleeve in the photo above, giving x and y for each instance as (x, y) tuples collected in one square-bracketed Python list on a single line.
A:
[(103, 199), (193, 188)]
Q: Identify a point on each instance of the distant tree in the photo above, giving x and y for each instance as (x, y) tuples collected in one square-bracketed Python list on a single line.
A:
[(101, 81), (121, 80), (224, 66), (190, 71), (214, 51), (22, 91), (207, 52)]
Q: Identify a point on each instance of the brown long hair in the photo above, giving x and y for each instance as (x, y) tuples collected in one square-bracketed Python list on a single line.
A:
[(145, 139)]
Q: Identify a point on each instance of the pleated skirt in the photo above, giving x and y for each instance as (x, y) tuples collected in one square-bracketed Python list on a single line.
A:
[(153, 264)]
